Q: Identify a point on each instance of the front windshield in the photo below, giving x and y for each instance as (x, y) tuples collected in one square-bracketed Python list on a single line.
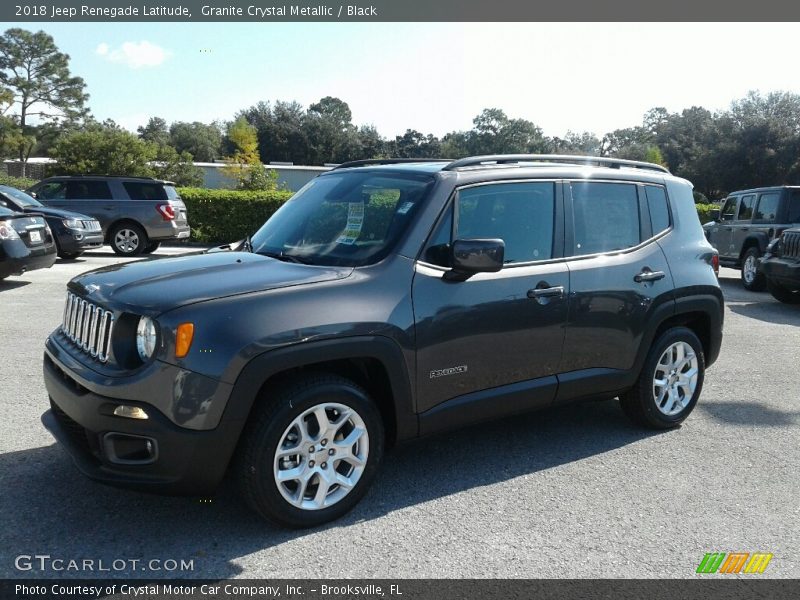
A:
[(21, 199), (347, 218)]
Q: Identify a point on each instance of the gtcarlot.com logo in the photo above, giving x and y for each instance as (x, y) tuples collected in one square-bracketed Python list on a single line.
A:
[(48, 563), (735, 562)]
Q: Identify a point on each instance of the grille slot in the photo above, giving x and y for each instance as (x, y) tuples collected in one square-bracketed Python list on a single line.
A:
[(790, 245), (88, 326)]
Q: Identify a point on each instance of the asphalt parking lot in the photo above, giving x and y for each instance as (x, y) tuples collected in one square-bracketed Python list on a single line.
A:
[(572, 492)]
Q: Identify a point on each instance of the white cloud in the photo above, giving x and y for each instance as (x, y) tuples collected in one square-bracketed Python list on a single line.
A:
[(134, 54)]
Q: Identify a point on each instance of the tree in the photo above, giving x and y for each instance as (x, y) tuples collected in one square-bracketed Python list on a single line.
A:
[(155, 131), (414, 144), (107, 149), (244, 165), (203, 142), (38, 76)]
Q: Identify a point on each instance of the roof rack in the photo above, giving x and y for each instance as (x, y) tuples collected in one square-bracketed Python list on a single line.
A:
[(510, 159), (388, 161)]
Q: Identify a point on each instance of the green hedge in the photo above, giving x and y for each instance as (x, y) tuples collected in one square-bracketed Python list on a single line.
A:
[(221, 216), (704, 211), (21, 183)]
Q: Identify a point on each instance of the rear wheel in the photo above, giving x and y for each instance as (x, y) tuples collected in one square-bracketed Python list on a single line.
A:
[(128, 239), (670, 382), (751, 278), (782, 294), (310, 452), (151, 247)]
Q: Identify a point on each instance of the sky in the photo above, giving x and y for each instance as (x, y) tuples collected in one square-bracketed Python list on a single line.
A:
[(433, 77)]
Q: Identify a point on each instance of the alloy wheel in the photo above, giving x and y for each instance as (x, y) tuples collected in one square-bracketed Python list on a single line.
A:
[(675, 378), (126, 240)]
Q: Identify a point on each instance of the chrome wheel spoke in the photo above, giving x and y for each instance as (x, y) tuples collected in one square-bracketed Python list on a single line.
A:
[(312, 468), (675, 378)]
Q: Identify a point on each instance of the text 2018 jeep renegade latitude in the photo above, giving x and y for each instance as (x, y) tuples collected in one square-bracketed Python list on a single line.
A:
[(386, 300)]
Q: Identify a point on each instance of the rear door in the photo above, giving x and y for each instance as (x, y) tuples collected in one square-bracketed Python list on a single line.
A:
[(91, 197), (619, 275), (720, 234), (742, 226)]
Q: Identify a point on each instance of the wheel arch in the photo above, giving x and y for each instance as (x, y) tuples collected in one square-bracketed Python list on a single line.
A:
[(376, 363), (754, 240)]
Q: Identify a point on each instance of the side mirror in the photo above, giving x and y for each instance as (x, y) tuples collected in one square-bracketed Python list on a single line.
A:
[(475, 256), (715, 214), (32, 194)]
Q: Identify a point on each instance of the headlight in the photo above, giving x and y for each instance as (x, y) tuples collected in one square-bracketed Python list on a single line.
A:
[(773, 246), (72, 224), (146, 338)]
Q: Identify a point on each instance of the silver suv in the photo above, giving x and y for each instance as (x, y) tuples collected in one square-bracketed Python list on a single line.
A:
[(136, 213)]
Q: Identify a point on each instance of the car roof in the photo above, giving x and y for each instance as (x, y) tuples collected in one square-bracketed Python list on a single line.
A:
[(110, 177), (772, 188)]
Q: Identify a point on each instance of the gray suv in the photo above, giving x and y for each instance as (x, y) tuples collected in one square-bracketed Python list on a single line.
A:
[(135, 213), (748, 221)]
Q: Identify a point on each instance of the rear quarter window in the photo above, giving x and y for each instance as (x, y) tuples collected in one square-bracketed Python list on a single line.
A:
[(143, 190), (659, 209)]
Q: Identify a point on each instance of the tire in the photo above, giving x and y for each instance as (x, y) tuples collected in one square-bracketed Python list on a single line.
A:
[(277, 421), (69, 255), (782, 294), (151, 247), (127, 239), (641, 404), (751, 279)]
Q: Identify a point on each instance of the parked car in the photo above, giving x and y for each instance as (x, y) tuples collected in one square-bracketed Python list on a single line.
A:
[(387, 300), (26, 243), (136, 213), (748, 221), (781, 267), (74, 233)]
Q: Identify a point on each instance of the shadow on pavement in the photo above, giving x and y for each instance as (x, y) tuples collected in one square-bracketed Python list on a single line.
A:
[(48, 507), (749, 413), (10, 284)]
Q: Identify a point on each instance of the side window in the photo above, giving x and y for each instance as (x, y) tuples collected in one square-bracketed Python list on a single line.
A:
[(794, 207), (606, 216), (54, 190), (138, 190), (521, 214), (767, 209), (88, 190), (746, 208), (729, 209), (659, 209)]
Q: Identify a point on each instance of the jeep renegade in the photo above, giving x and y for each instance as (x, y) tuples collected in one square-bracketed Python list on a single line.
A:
[(386, 300)]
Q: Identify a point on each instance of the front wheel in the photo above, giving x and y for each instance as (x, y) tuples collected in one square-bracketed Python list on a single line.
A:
[(69, 255), (751, 279), (670, 382), (310, 451)]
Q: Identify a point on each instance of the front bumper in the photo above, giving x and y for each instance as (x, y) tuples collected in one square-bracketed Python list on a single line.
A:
[(785, 271), (69, 242), (183, 461)]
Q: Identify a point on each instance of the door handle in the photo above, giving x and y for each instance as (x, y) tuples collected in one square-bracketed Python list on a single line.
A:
[(648, 275), (556, 291)]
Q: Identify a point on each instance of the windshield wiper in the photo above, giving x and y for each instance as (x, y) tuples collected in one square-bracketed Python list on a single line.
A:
[(282, 256), (248, 245)]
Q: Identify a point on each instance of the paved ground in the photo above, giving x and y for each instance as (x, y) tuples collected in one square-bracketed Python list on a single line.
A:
[(574, 492)]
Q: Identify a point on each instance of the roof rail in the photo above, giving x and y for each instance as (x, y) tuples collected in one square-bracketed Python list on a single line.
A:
[(388, 161), (505, 159)]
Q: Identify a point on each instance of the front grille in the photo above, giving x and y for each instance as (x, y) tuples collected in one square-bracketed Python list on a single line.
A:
[(790, 244), (88, 326), (91, 225)]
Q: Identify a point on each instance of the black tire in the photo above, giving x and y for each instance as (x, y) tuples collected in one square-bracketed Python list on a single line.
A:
[(640, 404), (136, 238), (268, 423), (757, 282), (782, 294), (151, 247), (69, 255)]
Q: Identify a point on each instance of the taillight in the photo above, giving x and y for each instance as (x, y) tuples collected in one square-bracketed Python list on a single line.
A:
[(166, 211), (715, 263)]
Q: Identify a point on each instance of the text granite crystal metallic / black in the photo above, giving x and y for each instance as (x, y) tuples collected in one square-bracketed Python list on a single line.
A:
[(386, 300)]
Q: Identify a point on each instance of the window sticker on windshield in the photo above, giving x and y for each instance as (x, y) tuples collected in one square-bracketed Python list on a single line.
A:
[(355, 221), (406, 206)]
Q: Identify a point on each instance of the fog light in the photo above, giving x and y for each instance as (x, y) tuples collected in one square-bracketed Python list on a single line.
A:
[(130, 412)]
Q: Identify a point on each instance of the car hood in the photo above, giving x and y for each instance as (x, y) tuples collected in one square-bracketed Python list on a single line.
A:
[(152, 287), (47, 211)]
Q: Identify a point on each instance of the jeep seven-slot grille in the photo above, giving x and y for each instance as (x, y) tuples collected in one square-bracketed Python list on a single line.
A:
[(790, 244), (88, 326)]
